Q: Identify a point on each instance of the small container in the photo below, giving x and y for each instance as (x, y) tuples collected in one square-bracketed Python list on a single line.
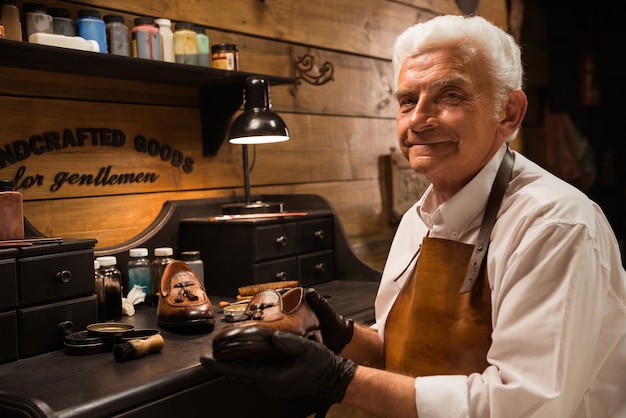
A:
[(118, 38), (10, 19), (162, 257), (11, 212), (1, 32), (99, 290), (36, 20), (145, 39), (61, 22), (112, 279), (167, 39), (139, 274), (193, 260), (90, 26), (204, 59), (185, 44), (225, 56)]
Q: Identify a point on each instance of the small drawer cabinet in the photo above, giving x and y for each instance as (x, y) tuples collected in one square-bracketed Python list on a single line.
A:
[(237, 253), (43, 286)]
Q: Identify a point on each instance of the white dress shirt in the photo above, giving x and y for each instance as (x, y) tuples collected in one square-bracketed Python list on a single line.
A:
[(558, 295)]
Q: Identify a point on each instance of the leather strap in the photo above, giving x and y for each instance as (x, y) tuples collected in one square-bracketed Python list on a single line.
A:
[(489, 219)]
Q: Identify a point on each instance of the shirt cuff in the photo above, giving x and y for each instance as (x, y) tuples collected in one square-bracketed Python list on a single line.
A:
[(441, 397)]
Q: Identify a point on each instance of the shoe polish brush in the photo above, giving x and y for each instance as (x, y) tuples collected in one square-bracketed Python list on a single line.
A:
[(138, 347)]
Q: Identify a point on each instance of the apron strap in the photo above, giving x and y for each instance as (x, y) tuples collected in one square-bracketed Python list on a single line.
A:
[(493, 205)]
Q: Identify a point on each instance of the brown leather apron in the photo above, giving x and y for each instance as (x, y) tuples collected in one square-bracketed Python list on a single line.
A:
[(433, 328)]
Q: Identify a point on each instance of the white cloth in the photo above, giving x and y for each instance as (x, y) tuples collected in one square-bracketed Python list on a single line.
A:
[(558, 293)]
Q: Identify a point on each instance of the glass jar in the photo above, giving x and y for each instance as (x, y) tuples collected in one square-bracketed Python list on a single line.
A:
[(112, 279), (162, 257), (139, 274), (185, 44)]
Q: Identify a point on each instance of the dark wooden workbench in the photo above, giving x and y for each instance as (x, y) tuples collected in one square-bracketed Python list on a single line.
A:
[(171, 383)]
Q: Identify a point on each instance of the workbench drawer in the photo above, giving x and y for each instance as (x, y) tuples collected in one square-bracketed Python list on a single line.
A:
[(8, 331), (58, 276), (276, 270), (8, 284), (316, 234), (274, 241), (39, 330), (318, 267)]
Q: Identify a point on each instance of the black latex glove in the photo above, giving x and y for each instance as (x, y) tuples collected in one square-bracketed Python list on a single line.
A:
[(337, 331), (307, 369)]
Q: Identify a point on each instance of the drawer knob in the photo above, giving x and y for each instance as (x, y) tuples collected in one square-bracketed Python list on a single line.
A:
[(282, 240), (320, 267), (65, 276), (319, 234), (282, 276)]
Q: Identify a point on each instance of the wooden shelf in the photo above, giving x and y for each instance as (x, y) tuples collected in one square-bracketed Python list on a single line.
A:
[(221, 91)]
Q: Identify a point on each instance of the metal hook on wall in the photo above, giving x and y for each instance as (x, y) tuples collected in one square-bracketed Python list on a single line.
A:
[(305, 70)]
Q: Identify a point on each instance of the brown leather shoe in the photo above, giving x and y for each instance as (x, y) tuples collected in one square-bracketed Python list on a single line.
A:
[(183, 303), (267, 311)]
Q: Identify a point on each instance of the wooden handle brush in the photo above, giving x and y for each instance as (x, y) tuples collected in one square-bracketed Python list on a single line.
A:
[(138, 347)]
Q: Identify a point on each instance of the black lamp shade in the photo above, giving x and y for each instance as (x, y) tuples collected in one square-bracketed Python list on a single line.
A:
[(257, 124)]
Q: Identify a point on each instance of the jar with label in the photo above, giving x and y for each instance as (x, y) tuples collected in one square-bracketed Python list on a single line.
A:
[(61, 22), (11, 212), (193, 260), (225, 56), (167, 39), (36, 19), (162, 257), (185, 44), (118, 38), (139, 274), (99, 290), (203, 46), (91, 27), (112, 279), (145, 39), (10, 19)]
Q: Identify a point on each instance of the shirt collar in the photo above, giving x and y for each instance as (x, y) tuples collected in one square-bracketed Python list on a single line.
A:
[(460, 213)]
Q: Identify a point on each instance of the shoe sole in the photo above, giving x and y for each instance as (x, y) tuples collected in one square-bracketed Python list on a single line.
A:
[(195, 323), (254, 349)]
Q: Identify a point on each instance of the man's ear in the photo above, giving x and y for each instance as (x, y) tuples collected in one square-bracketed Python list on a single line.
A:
[(514, 111)]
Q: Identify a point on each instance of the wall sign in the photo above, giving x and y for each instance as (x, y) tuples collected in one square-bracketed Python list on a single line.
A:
[(21, 152)]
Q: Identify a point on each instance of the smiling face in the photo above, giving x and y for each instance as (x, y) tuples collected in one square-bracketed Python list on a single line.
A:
[(447, 127)]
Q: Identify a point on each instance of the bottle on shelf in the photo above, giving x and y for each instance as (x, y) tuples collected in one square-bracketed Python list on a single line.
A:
[(36, 20), (139, 274), (145, 39), (118, 38), (162, 257), (61, 22), (185, 44), (167, 39), (10, 19), (91, 27), (112, 279), (204, 53)]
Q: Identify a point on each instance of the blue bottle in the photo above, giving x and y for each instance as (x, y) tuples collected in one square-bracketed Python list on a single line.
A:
[(90, 26)]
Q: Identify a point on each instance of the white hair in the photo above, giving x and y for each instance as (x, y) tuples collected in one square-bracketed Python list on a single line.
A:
[(476, 37)]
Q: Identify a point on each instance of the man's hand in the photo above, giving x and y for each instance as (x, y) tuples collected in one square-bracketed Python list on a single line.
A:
[(307, 369), (337, 331)]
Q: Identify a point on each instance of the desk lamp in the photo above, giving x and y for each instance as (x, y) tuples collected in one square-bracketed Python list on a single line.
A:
[(256, 125)]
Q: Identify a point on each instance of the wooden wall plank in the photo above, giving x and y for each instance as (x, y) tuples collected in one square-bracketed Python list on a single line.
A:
[(366, 27)]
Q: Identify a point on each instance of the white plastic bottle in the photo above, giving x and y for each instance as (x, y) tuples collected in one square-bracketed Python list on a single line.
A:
[(167, 39)]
